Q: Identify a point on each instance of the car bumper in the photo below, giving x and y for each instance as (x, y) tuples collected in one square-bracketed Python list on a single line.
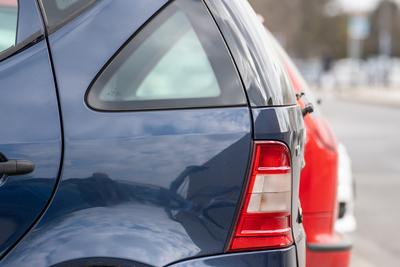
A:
[(346, 223), (335, 254), (282, 258)]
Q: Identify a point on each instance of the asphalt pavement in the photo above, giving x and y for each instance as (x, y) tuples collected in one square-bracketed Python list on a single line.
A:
[(371, 133)]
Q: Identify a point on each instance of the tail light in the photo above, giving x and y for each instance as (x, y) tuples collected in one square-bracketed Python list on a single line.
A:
[(264, 219)]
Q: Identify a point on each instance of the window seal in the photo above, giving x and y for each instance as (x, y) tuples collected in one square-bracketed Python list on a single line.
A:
[(33, 39), (18, 21)]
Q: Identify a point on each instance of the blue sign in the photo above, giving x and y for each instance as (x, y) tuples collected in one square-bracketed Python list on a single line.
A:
[(359, 27)]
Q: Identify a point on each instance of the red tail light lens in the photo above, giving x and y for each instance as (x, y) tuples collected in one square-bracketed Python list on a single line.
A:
[(264, 219)]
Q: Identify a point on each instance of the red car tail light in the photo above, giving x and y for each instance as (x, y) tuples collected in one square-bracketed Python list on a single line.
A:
[(264, 219)]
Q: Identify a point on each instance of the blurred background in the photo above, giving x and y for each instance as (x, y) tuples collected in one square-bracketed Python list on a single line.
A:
[(349, 52)]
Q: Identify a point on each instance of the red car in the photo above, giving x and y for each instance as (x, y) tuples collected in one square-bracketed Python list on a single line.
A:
[(319, 183)]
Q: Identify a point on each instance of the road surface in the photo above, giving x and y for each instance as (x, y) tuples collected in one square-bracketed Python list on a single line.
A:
[(371, 134)]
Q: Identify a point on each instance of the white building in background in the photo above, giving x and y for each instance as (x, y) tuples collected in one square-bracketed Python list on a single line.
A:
[(357, 6)]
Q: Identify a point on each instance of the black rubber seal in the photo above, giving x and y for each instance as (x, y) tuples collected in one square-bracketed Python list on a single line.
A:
[(344, 245)]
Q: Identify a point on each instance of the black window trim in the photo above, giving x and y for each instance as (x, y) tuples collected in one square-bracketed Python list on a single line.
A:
[(17, 28), (28, 42), (168, 104), (39, 35)]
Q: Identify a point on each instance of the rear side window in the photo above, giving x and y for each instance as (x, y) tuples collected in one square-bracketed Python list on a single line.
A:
[(178, 60), (58, 12), (8, 23)]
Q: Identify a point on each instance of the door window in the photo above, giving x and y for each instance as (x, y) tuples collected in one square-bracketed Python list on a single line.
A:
[(8, 23)]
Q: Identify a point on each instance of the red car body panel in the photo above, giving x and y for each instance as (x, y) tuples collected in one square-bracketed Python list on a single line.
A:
[(319, 176), (335, 258), (318, 188)]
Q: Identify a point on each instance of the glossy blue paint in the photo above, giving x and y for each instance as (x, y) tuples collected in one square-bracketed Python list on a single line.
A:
[(285, 122), (149, 183), (30, 21), (281, 258), (31, 131)]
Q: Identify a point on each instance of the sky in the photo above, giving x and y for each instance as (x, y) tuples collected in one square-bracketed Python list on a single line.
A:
[(358, 5)]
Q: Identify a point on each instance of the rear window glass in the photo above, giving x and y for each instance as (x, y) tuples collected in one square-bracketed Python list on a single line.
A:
[(172, 63), (183, 65), (8, 23), (57, 12)]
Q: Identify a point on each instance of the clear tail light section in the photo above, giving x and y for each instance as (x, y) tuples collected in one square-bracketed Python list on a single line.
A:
[(264, 218)]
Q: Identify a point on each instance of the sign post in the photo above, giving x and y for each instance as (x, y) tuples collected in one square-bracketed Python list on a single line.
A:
[(358, 31)]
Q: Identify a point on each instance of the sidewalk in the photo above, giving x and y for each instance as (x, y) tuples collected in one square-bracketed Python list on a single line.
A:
[(378, 96)]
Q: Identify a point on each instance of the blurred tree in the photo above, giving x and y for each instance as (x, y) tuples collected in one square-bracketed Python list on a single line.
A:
[(386, 18), (304, 27), (281, 18)]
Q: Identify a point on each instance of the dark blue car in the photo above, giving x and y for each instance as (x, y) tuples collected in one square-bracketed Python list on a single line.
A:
[(146, 133)]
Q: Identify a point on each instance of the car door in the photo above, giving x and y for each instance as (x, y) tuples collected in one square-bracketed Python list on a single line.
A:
[(30, 133)]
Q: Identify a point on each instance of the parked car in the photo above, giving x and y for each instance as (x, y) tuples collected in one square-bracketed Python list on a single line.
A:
[(147, 133), (346, 221), (319, 181)]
